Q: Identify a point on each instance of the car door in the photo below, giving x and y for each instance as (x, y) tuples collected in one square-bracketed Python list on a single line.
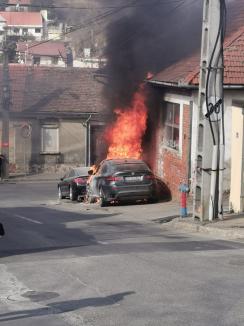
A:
[(62, 184), (67, 181)]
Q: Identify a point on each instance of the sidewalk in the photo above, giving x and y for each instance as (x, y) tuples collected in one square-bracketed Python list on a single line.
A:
[(40, 177), (230, 228)]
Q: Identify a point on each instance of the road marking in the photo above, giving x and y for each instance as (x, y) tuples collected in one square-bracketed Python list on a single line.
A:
[(27, 219), (102, 242)]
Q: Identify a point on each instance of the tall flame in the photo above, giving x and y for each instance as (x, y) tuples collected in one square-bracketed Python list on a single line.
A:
[(125, 135)]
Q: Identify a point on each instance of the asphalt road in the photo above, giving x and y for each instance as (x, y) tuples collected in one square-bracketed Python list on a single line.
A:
[(68, 263)]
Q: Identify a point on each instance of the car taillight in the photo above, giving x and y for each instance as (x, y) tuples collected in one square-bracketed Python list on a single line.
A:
[(80, 181), (111, 179)]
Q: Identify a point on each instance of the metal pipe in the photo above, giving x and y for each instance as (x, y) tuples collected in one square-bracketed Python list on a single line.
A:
[(212, 199), (242, 166), (221, 178)]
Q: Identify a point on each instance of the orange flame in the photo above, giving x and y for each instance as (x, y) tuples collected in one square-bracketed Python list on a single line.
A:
[(125, 135)]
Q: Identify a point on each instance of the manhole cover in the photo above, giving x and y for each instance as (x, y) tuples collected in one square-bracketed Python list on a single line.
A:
[(39, 296)]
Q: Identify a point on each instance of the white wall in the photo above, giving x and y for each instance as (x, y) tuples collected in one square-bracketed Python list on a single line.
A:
[(31, 32), (47, 61), (237, 165)]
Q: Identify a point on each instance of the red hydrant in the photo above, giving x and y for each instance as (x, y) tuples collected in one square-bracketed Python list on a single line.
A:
[(184, 189)]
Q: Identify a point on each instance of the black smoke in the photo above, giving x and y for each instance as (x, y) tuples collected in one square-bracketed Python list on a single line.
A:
[(152, 36)]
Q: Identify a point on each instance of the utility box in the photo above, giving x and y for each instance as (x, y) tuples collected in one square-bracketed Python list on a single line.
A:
[(237, 161)]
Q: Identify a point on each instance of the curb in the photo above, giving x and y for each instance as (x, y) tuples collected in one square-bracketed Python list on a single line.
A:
[(191, 226), (34, 180), (26, 180)]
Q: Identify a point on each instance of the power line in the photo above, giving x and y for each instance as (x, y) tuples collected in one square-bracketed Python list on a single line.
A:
[(159, 2), (140, 31), (88, 23), (107, 14)]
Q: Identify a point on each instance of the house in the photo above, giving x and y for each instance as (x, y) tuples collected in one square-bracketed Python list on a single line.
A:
[(53, 53), (177, 129), (55, 30), (18, 5), (57, 116), (88, 60), (22, 24)]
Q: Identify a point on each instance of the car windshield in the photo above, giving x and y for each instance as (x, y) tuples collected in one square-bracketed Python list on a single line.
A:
[(130, 167)]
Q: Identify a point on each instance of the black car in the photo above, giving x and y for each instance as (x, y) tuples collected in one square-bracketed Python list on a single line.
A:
[(73, 184), (121, 180)]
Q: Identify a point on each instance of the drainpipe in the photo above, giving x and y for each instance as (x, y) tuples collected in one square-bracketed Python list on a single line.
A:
[(88, 144), (189, 176), (242, 166), (87, 125)]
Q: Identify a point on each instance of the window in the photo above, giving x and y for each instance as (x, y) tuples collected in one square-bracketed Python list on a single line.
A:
[(172, 125), (50, 139), (16, 30), (36, 61), (54, 60), (37, 30), (25, 31)]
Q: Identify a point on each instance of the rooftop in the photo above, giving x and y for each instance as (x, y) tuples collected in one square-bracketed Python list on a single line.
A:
[(22, 18), (51, 48), (40, 90), (20, 2), (186, 71)]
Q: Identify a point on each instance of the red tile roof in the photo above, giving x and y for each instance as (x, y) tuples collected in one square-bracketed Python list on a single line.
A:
[(38, 90), (51, 48), (22, 18), (186, 71), (21, 2)]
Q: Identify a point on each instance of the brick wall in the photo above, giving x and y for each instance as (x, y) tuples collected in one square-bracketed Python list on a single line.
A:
[(175, 166)]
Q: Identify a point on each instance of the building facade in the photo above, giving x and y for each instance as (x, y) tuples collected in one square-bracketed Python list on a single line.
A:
[(55, 118)]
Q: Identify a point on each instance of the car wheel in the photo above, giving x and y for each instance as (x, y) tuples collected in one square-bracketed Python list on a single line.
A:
[(72, 195), (153, 199), (102, 200), (60, 195)]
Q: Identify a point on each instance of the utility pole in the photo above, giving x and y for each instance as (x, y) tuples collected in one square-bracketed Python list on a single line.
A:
[(5, 110), (209, 164)]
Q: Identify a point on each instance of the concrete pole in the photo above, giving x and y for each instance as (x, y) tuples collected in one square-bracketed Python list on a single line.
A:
[(5, 112), (205, 204)]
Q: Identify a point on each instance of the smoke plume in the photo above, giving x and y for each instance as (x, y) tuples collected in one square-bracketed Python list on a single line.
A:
[(148, 38)]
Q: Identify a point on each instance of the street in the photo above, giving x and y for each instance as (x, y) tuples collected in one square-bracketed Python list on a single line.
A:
[(65, 263)]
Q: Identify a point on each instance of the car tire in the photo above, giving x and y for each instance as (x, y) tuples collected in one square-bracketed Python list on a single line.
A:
[(102, 199), (72, 194), (153, 199), (60, 195)]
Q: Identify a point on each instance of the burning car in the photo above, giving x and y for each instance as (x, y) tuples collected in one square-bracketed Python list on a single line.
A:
[(121, 180)]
